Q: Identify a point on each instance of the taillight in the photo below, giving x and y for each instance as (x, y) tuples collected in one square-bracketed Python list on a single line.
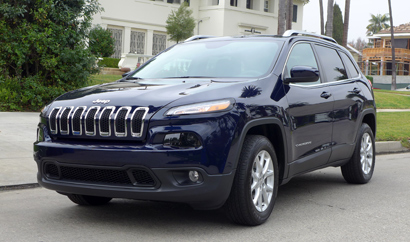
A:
[(370, 83)]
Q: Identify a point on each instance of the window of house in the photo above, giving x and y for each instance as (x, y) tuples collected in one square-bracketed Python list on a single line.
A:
[(332, 65), (234, 3), (295, 13), (159, 43), (137, 44), (117, 36), (266, 6), (301, 55), (249, 4)]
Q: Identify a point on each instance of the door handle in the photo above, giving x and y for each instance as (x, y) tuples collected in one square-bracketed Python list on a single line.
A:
[(325, 95), (356, 90)]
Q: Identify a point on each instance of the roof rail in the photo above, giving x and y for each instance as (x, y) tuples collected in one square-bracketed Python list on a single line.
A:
[(295, 33), (197, 37)]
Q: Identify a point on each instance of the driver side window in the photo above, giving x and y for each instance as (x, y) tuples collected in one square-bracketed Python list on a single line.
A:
[(301, 55)]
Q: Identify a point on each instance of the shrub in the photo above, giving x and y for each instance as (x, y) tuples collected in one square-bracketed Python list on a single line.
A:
[(43, 50), (370, 78), (100, 42), (109, 62)]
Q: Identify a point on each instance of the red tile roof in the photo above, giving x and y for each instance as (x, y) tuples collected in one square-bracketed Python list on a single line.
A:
[(403, 28)]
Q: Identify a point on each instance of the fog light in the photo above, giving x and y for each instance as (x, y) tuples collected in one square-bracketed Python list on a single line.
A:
[(193, 176), (182, 140)]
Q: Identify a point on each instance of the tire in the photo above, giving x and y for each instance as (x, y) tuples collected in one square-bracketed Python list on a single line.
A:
[(88, 200), (251, 201), (359, 170)]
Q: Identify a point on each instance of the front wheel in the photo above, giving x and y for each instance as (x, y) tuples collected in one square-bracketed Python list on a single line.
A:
[(359, 170), (255, 185)]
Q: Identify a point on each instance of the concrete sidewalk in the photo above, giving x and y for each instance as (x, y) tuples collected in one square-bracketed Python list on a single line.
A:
[(18, 132)]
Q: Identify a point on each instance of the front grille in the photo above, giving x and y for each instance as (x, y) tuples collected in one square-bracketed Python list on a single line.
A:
[(94, 121), (109, 176)]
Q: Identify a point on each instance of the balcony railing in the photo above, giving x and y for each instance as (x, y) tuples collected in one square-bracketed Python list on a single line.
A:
[(385, 54)]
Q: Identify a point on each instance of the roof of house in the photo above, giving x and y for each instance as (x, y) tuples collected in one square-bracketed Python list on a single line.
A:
[(402, 28)]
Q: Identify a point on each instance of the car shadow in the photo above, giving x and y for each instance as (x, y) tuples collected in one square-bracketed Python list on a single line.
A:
[(151, 216)]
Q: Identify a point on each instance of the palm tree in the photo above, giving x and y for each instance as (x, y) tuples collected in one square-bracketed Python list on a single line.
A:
[(346, 23), (393, 52), (281, 17), (289, 15), (329, 22), (322, 21), (377, 23)]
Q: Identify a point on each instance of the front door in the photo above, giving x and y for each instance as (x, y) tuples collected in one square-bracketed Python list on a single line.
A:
[(310, 109)]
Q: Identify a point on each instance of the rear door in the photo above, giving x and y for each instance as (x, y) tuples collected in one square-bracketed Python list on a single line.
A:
[(310, 108)]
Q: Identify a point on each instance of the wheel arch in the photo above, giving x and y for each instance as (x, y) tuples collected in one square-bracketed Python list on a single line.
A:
[(369, 117), (273, 129)]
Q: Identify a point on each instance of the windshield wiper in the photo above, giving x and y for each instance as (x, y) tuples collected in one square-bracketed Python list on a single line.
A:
[(130, 78), (175, 77)]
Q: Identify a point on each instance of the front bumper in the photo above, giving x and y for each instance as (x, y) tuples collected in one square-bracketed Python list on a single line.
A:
[(164, 167)]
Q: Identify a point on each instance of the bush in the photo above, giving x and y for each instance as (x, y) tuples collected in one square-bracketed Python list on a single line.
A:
[(109, 62), (43, 50), (100, 42), (370, 78)]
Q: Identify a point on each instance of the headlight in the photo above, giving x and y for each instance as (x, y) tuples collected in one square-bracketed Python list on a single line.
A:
[(204, 107)]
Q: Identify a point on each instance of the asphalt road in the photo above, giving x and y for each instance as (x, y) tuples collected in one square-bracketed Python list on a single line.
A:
[(318, 206)]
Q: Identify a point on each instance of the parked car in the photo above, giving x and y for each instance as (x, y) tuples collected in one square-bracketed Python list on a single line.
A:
[(213, 122)]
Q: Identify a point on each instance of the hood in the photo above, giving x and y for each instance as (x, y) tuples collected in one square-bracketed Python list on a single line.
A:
[(148, 93)]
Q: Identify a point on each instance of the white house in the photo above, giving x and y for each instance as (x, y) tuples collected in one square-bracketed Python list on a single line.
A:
[(139, 25)]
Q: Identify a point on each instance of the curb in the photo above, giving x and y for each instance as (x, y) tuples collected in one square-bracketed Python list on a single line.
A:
[(18, 187), (388, 147)]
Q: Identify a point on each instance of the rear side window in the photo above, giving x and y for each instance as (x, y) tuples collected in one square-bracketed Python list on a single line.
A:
[(332, 65), (349, 65)]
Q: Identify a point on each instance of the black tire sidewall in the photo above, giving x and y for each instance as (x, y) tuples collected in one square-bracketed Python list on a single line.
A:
[(262, 143)]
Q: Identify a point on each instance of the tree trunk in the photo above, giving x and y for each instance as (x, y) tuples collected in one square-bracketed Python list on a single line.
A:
[(289, 15), (346, 23), (329, 22), (322, 20), (281, 17), (393, 51)]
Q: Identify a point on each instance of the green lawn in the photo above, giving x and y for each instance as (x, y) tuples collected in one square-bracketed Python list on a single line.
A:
[(392, 99), (100, 79), (393, 127)]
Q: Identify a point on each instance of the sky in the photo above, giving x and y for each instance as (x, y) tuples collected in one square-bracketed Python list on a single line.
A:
[(360, 11)]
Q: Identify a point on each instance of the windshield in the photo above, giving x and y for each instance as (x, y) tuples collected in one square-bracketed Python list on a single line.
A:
[(213, 59)]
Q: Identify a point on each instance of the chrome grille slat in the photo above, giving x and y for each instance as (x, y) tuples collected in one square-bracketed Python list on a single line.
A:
[(64, 120), (120, 121), (76, 120), (105, 121), (90, 126), (137, 121), (52, 119)]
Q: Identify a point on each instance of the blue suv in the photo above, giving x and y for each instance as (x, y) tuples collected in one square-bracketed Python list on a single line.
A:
[(213, 122)]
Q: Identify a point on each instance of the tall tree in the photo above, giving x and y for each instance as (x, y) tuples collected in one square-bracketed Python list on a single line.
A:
[(282, 17), (322, 20), (377, 23), (337, 24), (180, 23), (393, 51), (289, 14), (329, 22), (346, 23)]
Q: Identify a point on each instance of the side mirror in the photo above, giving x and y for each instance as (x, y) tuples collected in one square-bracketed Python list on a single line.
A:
[(303, 74)]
